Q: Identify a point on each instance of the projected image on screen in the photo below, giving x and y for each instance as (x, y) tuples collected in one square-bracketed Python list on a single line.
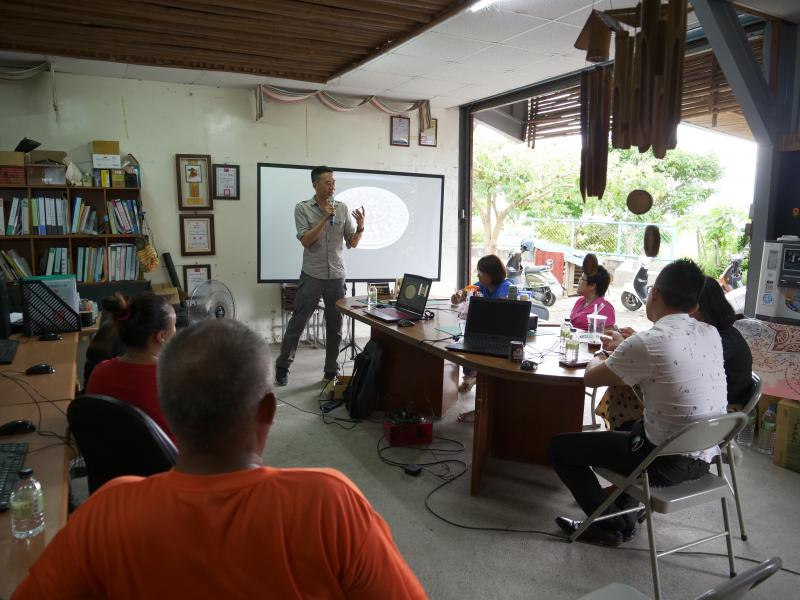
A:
[(402, 229), (388, 215)]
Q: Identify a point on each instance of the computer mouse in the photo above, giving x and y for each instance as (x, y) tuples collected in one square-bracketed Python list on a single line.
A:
[(17, 427), (49, 337), (405, 323), (41, 369), (528, 365)]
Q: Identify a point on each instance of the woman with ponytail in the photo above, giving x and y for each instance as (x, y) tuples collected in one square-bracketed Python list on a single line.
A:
[(144, 323)]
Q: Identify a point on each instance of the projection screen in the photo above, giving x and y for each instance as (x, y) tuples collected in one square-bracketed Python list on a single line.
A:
[(403, 227)]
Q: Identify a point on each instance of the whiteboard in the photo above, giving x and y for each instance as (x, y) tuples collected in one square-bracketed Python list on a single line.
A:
[(402, 230)]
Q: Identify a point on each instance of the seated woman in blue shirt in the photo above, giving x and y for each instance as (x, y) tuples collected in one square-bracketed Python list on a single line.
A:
[(492, 283)]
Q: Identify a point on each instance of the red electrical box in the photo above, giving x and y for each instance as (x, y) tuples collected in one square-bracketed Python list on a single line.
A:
[(408, 434)]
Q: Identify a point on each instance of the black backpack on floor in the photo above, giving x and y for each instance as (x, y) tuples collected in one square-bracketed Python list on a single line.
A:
[(361, 395)]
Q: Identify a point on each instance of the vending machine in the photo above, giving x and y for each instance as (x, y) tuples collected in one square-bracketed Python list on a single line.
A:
[(779, 284)]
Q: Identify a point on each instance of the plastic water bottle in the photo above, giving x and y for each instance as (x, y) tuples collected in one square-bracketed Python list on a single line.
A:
[(372, 295), (573, 348), (565, 333), (766, 435), (747, 435), (27, 506)]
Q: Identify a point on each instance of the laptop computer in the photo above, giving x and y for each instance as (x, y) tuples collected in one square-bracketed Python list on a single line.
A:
[(410, 302), (492, 324)]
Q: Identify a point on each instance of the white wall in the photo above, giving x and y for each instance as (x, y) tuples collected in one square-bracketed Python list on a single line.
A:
[(154, 121)]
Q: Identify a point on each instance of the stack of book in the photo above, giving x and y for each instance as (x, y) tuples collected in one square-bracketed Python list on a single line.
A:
[(123, 216), (90, 264), (55, 262), (13, 265), (123, 264), (18, 217), (49, 216), (84, 218)]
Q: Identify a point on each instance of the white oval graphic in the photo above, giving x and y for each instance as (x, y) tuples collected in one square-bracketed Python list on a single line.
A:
[(387, 216)]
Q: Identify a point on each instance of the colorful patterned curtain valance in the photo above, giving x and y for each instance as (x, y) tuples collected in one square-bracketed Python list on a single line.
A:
[(343, 103)]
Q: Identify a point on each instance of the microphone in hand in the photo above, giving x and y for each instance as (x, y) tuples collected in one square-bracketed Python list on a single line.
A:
[(332, 215)]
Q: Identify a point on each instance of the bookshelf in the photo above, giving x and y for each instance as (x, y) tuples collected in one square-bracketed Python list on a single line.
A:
[(73, 226)]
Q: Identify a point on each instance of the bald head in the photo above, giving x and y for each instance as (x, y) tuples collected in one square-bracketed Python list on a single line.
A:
[(211, 378)]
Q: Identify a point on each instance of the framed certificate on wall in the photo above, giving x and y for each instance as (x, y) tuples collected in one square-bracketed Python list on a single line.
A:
[(197, 235), (226, 182), (194, 182), (194, 275)]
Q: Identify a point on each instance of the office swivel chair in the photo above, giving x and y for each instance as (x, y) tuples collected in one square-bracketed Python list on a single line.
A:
[(116, 438)]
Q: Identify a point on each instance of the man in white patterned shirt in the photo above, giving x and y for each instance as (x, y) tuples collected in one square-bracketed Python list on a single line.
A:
[(679, 367)]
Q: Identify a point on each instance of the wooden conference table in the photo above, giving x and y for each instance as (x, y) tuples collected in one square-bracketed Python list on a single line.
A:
[(42, 399), (517, 412)]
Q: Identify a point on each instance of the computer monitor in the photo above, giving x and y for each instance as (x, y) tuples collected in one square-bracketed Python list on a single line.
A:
[(790, 266)]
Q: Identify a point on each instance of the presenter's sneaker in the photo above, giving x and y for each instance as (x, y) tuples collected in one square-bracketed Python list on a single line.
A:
[(594, 534), (329, 375), (281, 376)]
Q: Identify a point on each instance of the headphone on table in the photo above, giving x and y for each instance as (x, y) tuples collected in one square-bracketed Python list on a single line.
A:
[(427, 314)]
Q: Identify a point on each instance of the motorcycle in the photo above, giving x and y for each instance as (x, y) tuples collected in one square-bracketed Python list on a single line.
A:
[(731, 278), (539, 279), (634, 294)]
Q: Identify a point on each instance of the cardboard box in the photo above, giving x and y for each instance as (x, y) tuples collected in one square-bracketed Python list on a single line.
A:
[(106, 161), (787, 435), (46, 156), (12, 159), (166, 289), (104, 147)]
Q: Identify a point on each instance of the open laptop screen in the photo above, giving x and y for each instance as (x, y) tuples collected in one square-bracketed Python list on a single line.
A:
[(414, 293), (507, 318)]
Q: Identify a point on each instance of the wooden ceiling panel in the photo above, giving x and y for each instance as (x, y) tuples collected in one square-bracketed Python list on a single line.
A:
[(314, 40)]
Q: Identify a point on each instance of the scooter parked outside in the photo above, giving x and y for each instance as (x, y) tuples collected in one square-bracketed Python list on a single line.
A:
[(634, 294), (539, 279)]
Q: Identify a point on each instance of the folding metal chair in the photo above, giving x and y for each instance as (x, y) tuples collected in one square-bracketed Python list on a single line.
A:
[(755, 395), (698, 435), (730, 590), (593, 396)]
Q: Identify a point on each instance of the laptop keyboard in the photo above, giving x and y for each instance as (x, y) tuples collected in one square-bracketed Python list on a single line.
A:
[(8, 350)]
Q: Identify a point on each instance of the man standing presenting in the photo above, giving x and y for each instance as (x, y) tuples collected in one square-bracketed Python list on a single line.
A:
[(678, 366), (323, 227)]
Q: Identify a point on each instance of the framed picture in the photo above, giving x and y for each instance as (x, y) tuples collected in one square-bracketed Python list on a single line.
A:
[(226, 182), (194, 275), (197, 235), (428, 137), (400, 131), (194, 182)]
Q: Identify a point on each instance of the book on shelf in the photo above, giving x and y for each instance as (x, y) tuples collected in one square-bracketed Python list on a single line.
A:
[(2, 217), (16, 263), (16, 219), (25, 217), (76, 214)]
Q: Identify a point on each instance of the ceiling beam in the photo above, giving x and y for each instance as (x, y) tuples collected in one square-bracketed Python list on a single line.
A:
[(721, 25)]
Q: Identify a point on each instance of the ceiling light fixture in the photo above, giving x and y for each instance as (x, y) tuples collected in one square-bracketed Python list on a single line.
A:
[(481, 4)]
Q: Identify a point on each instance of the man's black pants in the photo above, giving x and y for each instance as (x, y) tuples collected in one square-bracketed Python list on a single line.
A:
[(573, 454)]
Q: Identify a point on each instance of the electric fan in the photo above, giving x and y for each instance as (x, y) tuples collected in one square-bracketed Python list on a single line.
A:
[(211, 300)]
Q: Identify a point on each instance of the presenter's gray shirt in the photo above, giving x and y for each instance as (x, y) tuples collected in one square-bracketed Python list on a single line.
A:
[(324, 259)]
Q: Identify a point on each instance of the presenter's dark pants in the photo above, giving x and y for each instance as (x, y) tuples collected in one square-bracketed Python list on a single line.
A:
[(306, 301), (573, 454)]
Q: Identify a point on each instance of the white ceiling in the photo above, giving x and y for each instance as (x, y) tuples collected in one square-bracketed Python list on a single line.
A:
[(512, 44)]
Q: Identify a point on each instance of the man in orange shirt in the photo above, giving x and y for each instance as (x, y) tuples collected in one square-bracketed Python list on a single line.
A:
[(220, 524)]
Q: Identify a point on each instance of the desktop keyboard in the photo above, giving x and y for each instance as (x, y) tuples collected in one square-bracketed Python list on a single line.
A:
[(11, 457), (8, 350)]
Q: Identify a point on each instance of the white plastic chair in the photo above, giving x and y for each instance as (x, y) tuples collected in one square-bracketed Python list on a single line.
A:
[(698, 435)]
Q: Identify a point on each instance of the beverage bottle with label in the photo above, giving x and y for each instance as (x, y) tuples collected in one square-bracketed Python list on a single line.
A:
[(573, 348), (766, 435), (27, 506), (565, 331)]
